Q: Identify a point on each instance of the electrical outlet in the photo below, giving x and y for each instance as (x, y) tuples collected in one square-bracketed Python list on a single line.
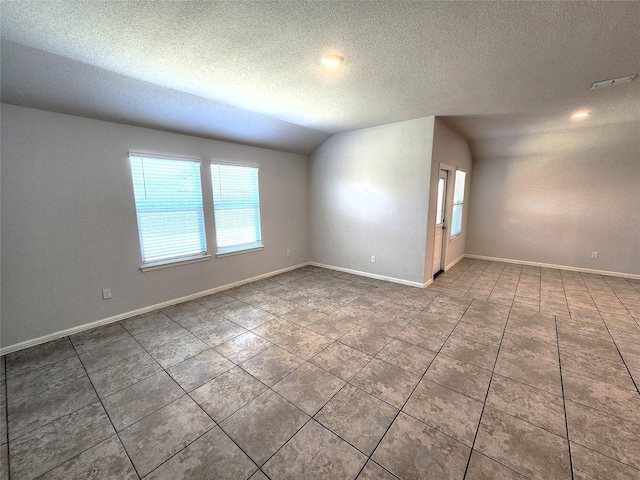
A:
[(106, 293), (373, 259), (594, 254), (288, 253)]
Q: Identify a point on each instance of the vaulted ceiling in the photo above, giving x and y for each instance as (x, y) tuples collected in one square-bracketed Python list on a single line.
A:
[(250, 71)]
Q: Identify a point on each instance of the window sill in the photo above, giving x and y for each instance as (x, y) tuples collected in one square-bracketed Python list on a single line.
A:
[(173, 263), (453, 239), (239, 252)]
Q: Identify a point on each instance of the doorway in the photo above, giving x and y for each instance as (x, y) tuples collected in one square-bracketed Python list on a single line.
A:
[(441, 215)]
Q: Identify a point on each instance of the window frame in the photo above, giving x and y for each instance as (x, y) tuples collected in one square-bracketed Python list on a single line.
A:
[(151, 262), (238, 248)]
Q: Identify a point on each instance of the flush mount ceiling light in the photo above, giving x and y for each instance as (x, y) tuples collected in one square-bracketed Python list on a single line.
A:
[(613, 81), (580, 115), (332, 61)]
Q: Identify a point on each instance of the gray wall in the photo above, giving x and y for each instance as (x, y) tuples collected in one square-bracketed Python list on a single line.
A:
[(369, 196), (556, 197), (69, 222), (452, 149)]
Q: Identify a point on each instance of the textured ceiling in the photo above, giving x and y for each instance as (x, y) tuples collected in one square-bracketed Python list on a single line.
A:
[(250, 71)]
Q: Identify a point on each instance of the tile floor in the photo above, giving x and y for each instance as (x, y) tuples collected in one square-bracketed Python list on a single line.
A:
[(496, 371)]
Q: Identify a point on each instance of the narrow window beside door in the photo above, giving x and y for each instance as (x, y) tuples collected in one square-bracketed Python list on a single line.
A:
[(458, 201), (168, 198), (440, 205), (236, 204)]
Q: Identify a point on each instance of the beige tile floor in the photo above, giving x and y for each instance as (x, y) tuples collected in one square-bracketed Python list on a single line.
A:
[(496, 371)]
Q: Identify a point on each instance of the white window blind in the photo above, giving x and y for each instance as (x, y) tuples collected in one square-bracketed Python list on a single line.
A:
[(168, 196), (236, 204), (458, 201)]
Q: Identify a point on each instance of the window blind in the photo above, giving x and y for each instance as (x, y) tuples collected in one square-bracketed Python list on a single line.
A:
[(458, 201), (236, 203), (168, 197)]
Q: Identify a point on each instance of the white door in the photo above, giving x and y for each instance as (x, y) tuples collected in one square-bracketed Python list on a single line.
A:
[(440, 219)]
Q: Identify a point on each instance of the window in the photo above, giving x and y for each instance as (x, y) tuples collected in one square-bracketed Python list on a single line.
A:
[(458, 200), (168, 196), (236, 205), (440, 204)]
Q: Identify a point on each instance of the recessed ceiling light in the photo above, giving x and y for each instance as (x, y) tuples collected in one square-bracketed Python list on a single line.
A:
[(332, 61), (579, 115)]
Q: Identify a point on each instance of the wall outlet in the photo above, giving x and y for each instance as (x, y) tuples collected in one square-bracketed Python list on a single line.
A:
[(106, 293), (288, 253), (373, 259), (594, 254)]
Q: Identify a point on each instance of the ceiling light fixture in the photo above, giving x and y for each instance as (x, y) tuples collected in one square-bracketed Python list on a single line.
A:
[(579, 115), (613, 81), (332, 61)]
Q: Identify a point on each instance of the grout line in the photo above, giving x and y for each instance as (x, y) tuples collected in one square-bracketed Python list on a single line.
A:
[(496, 282), (479, 276), (607, 456), (69, 413), (6, 416), (564, 292), (216, 424), (621, 302), (311, 417), (484, 403), (420, 381), (564, 399), (540, 290), (468, 270), (163, 369), (115, 431), (615, 343), (400, 410)]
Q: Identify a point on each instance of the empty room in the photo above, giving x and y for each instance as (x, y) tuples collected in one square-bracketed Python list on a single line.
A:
[(298, 240)]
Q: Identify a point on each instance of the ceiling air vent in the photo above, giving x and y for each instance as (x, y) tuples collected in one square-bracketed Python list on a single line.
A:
[(613, 81)]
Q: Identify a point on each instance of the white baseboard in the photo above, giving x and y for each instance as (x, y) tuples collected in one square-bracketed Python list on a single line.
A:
[(372, 275), (452, 264), (133, 313), (557, 267), (150, 308)]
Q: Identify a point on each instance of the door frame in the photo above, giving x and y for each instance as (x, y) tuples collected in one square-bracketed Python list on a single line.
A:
[(448, 200), (440, 228)]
